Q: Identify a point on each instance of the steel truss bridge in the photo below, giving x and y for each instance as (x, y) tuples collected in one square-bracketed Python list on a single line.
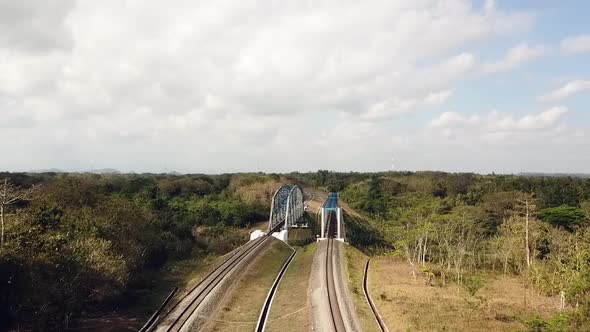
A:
[(192, 310), (286, 208)]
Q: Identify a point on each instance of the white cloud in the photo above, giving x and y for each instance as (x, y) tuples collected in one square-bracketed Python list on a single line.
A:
[(497, 127), (112, 83), (567, 90), (491, 141), (397, 106), (495, 142), (576, 45), (539, 121), (452, 119), (31, 26), (264, 58), (515, 57), (438, 98), (346, 132)]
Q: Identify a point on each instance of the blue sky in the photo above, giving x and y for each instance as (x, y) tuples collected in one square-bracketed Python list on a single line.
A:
[(225, 86)]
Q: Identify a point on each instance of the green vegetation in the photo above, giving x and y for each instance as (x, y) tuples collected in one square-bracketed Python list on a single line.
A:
[(355, 269), (84, 243), (565, 216), (290, 303), (451, 228), (247, 294)]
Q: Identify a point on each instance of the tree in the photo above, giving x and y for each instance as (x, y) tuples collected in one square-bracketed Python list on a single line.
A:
[(498, 207), (10, 194), (374, 203), (565, 216), (585, 206)]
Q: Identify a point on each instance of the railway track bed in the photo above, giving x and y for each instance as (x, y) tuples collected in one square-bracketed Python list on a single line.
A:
[(331, 307), (191, 311)]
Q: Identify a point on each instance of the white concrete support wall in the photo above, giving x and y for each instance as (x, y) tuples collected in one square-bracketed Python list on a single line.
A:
[(323, 229), (256, 234), (338, 222), (282, 235)]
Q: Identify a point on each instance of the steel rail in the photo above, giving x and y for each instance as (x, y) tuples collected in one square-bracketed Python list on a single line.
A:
[(209, 283), (211, 280), (154, 317), (151, 323), (198, 299), (156, 321), (378, 317), (187, 312), (331, 287), (261, 325)]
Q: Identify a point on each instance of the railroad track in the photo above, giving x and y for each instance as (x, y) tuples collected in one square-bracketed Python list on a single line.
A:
[(178, 317), (335, 312), (262, 319), (378, 317)]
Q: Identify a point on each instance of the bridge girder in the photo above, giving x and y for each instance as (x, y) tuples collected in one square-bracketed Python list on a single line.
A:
[(287, 206)]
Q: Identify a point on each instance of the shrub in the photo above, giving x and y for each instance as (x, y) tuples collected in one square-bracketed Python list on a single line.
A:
[(564, 216), (473, 284)]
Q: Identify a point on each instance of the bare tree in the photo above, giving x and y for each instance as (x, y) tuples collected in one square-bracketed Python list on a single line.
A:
[(526, 211), (526, 232), (10, 194)]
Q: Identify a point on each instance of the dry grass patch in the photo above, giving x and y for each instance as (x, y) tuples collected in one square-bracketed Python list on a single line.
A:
[(290, 310), (260, 225), (317, 201), (355, 268), (408, 305), (299, 234), (241, 309), (255, 188)]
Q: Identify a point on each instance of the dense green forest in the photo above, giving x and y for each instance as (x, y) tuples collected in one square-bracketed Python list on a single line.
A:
[(76, 243), (454, 227)]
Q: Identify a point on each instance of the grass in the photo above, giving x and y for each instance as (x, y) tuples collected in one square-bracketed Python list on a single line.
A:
[(290, 311), (241, 309), (260, 225), (150, 292), (485, 303), (299, 234), (355, 267)]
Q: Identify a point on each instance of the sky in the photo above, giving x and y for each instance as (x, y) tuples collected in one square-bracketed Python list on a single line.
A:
[(277, 86)]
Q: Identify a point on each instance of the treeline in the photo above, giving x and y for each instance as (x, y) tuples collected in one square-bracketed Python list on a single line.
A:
[(79, 242), (451, 227)]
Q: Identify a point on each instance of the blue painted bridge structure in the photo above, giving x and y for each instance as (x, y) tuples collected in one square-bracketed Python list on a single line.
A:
[(331, 201), (330, 209)]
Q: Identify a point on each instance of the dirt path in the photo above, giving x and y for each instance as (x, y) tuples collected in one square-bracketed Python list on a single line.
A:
[(290, 306)]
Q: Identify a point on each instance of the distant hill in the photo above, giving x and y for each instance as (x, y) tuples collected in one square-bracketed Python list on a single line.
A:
[(92, 171), (49, 170), (96, 171), (104, 171), (556, 175)]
